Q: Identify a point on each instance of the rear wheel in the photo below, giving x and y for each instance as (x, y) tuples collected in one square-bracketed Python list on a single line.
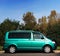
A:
[(47, 49), (12, 49)]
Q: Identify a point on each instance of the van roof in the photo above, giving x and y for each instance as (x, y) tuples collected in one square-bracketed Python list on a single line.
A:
[(23, 31)]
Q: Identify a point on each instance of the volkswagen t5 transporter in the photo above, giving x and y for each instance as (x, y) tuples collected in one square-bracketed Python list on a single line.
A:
[(27, 40)]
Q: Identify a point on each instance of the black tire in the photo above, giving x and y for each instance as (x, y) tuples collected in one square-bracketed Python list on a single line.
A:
[(12, 49), (47, 49)]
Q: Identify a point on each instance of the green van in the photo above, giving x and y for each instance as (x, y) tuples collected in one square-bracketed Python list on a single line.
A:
[(27, 40)]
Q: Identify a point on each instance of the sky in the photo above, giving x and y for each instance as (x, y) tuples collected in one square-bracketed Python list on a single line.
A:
[(14, 9)]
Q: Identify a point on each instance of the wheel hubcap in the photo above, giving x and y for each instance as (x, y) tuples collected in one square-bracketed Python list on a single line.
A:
[(12, 49), (47, 49)]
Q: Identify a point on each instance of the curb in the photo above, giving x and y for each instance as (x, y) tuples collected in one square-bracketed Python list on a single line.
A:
[(57, 51), (1, 52)]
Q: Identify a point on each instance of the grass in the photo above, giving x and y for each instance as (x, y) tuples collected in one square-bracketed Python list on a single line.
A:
[(1, 48), (58, 48)]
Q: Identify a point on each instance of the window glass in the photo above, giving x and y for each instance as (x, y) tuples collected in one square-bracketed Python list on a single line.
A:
[(19, 35), (37, 36)]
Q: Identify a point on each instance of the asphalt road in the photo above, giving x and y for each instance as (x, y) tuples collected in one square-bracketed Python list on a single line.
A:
[(30, 54)]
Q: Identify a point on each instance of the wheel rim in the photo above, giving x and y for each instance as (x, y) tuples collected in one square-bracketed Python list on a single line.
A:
[(47, 49), (12, 49)]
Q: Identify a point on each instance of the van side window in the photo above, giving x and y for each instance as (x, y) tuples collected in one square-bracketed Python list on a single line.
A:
[(21, 35), (37, 36)]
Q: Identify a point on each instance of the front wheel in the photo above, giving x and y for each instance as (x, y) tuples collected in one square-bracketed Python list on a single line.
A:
[(12, 49), (47, 49)]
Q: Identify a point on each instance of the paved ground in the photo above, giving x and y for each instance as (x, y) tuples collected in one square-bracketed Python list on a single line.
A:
[(31, 54), (56, 53)]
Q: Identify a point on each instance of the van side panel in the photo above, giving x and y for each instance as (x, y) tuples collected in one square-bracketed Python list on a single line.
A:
[(19, 43)]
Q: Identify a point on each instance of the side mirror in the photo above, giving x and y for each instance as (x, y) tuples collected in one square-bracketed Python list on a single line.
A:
[(42, 37)]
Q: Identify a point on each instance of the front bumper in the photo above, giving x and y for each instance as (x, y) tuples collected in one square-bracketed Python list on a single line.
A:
[(55, 46)]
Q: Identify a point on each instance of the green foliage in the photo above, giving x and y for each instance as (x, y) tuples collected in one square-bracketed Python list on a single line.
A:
[(58, 48), (43, 25), (29, 20), (53, 29), (5, 26), (1, 48)]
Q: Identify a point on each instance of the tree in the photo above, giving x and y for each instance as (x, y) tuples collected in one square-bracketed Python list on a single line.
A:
[(43, 24), (53, 27), (53, 13), (51, 22), (29, 20), (7, 25)]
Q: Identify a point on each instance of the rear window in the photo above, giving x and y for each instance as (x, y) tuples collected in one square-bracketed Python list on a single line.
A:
[(23, 35)]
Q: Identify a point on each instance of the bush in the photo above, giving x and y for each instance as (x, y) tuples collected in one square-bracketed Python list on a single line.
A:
[(1, 48)]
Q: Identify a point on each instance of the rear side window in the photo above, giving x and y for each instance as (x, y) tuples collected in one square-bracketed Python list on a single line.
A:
[(22, 35)]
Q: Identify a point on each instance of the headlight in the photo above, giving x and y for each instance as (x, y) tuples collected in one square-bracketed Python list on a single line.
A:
[(53, 42)]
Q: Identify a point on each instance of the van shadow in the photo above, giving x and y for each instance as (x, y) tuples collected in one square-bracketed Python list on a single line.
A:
[(29, 52)]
